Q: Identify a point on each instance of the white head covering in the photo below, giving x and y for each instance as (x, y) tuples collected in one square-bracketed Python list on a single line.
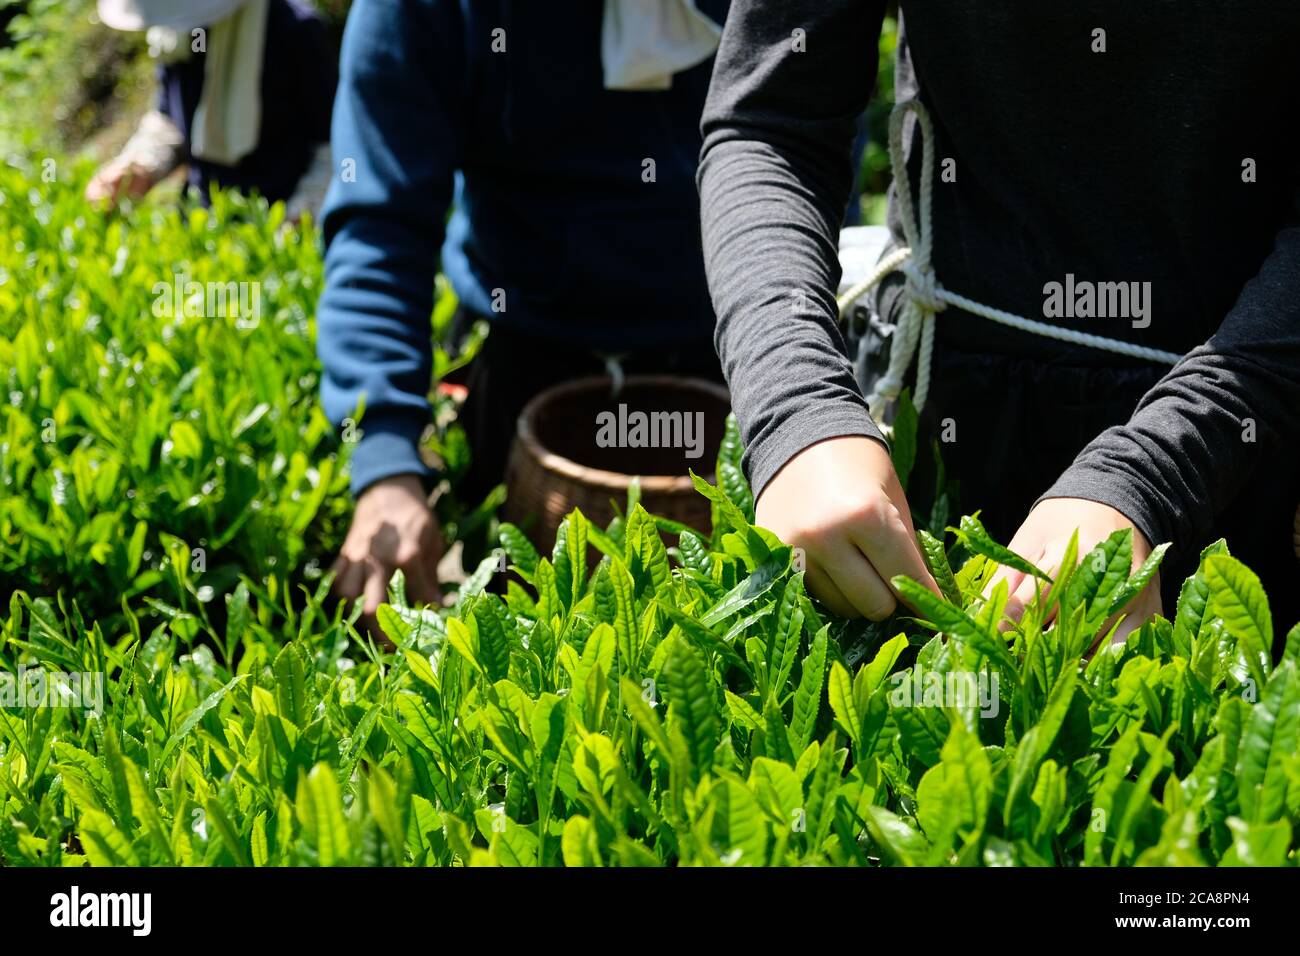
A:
[(644, 42), (172, 14)]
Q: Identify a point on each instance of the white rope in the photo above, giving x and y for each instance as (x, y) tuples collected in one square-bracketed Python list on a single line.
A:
[(614, 366), (925, 297)]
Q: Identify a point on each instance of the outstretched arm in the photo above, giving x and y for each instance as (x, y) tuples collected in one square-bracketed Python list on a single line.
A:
[(1189, 446), (790, 78), (1199, 433), (395, 142), (395, 137)]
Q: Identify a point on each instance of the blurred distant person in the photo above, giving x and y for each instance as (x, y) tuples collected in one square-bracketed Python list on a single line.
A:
[(245, 93)]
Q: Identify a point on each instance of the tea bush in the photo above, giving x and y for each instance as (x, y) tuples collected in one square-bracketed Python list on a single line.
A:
[(157, 445), (672, 705), (175, 687), (160, 430)]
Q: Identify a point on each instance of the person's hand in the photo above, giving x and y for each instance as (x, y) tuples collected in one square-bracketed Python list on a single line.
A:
[(1043, 539), (392, 528), (118, 180), (840, 501)]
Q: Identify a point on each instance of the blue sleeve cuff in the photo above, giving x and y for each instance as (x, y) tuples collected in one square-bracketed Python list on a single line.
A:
[(389, 446)]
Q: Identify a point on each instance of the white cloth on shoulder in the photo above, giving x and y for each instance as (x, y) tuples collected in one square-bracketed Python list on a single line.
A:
[(644, 42), (228, 120)]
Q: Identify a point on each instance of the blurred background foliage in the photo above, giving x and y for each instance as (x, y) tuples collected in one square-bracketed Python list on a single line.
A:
[(72, 86), (68, 81)]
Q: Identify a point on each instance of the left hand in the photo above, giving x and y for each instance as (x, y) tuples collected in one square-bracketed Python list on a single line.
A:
[(1042, 541), (392, 528), (117, 180)]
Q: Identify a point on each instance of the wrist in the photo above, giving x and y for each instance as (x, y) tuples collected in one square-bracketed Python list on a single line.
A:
[(389, 447), (1149, 525)]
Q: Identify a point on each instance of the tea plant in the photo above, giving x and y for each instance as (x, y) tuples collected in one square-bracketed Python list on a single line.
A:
[(160, 431), (678, 701), (643, 695)]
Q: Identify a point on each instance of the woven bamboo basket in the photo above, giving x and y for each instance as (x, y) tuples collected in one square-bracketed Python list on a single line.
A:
[(556, 463)]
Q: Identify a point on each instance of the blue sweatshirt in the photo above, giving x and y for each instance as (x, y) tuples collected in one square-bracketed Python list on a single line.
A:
[(558, 214)]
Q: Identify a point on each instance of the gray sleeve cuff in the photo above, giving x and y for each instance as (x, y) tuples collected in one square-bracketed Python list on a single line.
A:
[(1123, 492), (810, 425)]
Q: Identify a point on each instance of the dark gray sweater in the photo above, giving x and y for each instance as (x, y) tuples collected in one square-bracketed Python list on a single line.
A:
[(1128, 165)]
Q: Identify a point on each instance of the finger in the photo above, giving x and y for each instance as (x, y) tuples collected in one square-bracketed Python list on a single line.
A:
[(1032, 588), (422, 584), (127, 185), (861, 583), (375, 590), (138, 186), (100, 191), (890, 547), (349, 578), (1013, 578), (823, 588), (1142, 609), (1028, 548), (431, 553), (1052, 563), (1018, 599), (909, 552), (1031, 552)]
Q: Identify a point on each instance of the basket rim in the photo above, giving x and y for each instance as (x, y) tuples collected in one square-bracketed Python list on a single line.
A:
[(602, 478)]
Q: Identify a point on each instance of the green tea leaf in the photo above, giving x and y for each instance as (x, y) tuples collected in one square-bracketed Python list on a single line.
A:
[(1272, 738), (691, 705), (319, 809), (807, 698), (1237, 597), (936, 560), (977, 541)]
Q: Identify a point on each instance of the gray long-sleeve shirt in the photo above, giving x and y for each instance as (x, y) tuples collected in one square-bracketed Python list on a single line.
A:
[(1162, 149)]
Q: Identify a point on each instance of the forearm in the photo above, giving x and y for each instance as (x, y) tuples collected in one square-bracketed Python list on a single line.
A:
[(1197, 436), (775, 175), (395, 139), (373, 341), (771, 254)]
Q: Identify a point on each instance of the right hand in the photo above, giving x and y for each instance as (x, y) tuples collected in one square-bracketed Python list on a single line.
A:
[(117, 180), (392, 528), (840, 501)]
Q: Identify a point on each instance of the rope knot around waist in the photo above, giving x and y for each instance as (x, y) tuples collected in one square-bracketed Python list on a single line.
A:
[(924, 297), (923, 287)]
